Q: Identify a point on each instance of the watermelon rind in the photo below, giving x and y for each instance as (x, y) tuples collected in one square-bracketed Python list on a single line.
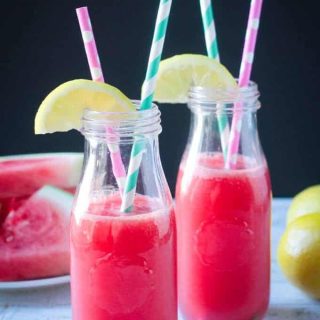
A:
[(66, 174), (61, 198), (42, 155)]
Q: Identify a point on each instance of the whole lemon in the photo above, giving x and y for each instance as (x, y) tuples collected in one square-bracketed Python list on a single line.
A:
[(299, 253), (305, 202)]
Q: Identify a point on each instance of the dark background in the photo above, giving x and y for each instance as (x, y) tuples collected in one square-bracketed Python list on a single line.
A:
[(41, 47)]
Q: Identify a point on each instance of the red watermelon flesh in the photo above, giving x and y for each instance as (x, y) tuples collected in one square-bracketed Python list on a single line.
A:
[(21, 176), (34, 239), (10, 204)]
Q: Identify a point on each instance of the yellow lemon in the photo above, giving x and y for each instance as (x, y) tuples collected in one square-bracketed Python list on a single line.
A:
[(305, 202), (62, 109), (177, 74), (299, 253)]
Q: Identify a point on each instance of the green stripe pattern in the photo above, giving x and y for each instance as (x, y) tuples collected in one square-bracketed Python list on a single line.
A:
[(213, 52), (146, 101), (209, 29)]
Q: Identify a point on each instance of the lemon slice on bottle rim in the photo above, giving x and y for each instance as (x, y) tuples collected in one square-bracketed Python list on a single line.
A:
[(62, 109), (177, 74)]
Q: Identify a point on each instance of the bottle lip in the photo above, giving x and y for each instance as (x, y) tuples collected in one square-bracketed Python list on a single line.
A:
[(122, 126), (244, 98)]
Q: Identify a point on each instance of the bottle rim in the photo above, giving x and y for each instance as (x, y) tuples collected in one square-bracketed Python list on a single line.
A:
[(122, 126), (231, 99)]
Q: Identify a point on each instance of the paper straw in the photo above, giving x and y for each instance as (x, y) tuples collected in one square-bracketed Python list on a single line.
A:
[(89, 44), (209, 29), (146, 101), (213, 52), (97, 75), (244, 78)]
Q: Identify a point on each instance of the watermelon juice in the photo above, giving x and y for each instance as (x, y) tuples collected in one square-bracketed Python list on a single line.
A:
[(121, 264), (223, 221)]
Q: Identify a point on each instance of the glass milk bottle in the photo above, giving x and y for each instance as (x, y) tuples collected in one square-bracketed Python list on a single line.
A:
[(223, 215), (123, 265)]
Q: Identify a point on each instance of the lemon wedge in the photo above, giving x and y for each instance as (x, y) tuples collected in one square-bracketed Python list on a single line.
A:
[(177, 74), (62, 109)]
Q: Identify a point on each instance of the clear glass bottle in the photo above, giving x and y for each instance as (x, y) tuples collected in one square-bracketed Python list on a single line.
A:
[(123, 265), (223, 215)]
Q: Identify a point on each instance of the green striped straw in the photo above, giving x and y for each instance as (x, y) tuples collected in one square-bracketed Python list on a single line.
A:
[(213, 52), (209, 29), (147, 93)]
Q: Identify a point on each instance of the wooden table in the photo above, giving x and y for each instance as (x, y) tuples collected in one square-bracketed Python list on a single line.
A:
[(287, 302)]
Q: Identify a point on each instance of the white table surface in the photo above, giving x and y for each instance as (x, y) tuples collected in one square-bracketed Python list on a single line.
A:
[(287, 302)]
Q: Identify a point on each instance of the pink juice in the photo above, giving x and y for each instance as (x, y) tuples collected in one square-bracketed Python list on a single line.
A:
[(123, 265), (223, 221)]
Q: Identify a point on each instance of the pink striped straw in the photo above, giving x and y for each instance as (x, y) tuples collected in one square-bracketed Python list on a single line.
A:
[(244, 79), (97, 75), (90, 44)]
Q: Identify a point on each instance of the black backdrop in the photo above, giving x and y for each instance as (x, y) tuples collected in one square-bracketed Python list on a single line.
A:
[(41, 47)]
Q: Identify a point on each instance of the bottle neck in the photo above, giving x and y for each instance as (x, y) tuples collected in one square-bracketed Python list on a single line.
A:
[(212, 114), (122, 127), (229, 100), (109, 140)]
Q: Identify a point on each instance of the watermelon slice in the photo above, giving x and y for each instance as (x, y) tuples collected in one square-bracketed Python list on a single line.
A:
[(22, 175), (34, 239)]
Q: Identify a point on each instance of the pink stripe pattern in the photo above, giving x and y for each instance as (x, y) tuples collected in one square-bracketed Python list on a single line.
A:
[(118, 168), (244, 79), (90, 44), (97, 75)]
